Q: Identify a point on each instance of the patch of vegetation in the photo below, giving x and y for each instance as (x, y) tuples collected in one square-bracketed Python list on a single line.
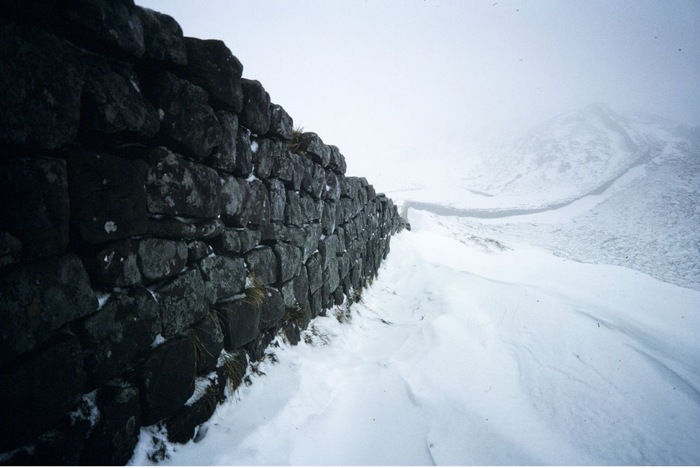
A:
[(295, 143), (256, 293)]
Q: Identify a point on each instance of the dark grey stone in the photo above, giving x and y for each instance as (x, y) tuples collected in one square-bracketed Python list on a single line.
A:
[(211, 65), (332, 189), (337, 161), (179, 187), (182, 426), (265, 155), (161, 258), (281, 124), (272, 309), (162, 37), (112, 102), (183, 301), (188, 123), (244, 153), (10, 249), (224, 156), (113, 438), (278, 199), (263, 263), (114, 266), (239, 322), (40, 87), (37, 391), (312, 234), (314, 181), (107, 196), (288, 261), (314, 269), (328, 218), (166, 379), (255, 206), (315, 149), (287, 167), (38, 298), (237, 241), (256, 107), (225, 274), (293, 214), (105, 26), (197, 250), (34, 205), (124, 327)]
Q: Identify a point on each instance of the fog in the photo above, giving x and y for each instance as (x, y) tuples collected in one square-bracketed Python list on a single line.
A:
[(401, 81)]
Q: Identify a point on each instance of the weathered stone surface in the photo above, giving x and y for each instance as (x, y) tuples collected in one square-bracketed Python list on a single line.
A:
[(272, 309), (211, 65), (287, 167), (179, 187), (112, 102), (301, 290), (314, 268), (40, 87), (107, 196), (124, 327), (314, 148), (281, 124), (278, 199), (314, 181), (162, 37), (114, 266), (332, 189), (311, 209), (288, 261), (224, 156), (293, 213), (232, 199), (10, 249), (239, 322), (188, 123), (113, 438), (109, 26), (166, 379), (208, 341), (328, 218), (263, 153), (182, 426), (237, 241), (263, 263), (244, 153), (226, 275), (197, 250), (29, 407), (38, 298), (183, 301), (256, 107), (255, 205), (34, 206), (312, 234), (337, 161), (161, 258)]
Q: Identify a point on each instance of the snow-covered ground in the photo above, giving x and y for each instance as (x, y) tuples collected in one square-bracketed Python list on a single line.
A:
[(564, 336)]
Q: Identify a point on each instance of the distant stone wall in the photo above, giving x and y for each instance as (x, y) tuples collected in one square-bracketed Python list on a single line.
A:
[(160, 223)]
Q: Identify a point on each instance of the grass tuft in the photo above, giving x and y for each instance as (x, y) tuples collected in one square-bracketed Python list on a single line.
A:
[(257, 293), (295, 142)]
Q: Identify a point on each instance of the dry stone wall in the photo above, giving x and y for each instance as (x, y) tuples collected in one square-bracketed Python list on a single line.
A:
[(160, 223)]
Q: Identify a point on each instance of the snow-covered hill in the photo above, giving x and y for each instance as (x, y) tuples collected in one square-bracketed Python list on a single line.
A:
[(555, 330)]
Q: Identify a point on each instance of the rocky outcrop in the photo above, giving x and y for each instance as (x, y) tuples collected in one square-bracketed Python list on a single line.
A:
[(160, 224)]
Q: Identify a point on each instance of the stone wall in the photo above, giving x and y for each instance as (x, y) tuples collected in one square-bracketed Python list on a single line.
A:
[(160, 223)]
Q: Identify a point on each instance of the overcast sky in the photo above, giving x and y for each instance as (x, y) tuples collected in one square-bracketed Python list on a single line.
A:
[(392, 80)]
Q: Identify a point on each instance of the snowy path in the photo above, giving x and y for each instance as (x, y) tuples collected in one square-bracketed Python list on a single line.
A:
[(473, 352)]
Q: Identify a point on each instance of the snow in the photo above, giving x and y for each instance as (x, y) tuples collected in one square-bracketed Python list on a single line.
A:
[(565, 337)]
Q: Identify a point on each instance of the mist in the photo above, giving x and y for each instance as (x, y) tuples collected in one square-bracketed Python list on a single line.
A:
[(426, 83)]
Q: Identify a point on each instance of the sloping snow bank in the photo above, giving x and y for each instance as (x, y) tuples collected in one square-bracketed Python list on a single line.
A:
[(472, 351)]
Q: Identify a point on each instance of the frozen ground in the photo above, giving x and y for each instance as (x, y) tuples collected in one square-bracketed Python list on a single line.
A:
[(563, 336)]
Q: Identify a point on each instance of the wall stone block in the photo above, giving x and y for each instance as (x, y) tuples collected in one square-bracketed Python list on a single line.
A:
[(256, 107), (188, 123), (224, 155), (211, 65), (36, 299), (162, 37), (237, 241), (161, 258), (272, 309), (114, 266), (208, 342), (107, 196), (262, 262), (281, 124), (40, 88), (226, 275), (177, 187), (183, 301), (38, 187), (166, 379), (123, 328), (240, 321), (29, 409)]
